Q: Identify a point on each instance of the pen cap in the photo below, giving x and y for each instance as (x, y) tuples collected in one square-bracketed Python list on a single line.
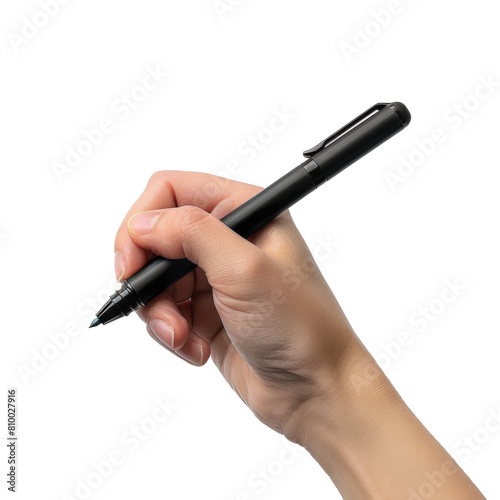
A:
[(403, 112), (356, 139)]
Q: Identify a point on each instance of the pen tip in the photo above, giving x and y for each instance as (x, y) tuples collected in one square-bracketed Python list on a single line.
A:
[(96, 322)]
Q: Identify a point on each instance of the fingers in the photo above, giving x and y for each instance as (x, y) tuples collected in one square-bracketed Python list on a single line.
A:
[(169, 189), (192, 233), (195, 351), (167, 323), (198, 314), (178, 216), (163, 317)]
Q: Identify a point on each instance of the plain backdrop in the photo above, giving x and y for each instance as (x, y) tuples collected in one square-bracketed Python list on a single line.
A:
[(408, 238)]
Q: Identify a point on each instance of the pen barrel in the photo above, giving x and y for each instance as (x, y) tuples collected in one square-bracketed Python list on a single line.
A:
[(156, 276), (160, 273), (265, 206), (360, 140)]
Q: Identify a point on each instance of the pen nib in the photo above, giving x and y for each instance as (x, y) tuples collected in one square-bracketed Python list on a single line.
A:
[(96, 322)]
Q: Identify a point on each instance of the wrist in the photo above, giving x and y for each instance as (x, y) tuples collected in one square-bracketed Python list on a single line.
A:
[(346, 390), (368, 441), (342, 425)]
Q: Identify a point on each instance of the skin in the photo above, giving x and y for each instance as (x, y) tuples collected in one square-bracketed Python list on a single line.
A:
[(261, 309)]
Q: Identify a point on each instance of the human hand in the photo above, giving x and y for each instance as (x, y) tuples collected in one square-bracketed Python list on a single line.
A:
[(262, 310), (259, 307)]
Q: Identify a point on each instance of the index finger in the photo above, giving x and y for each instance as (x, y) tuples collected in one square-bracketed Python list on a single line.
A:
[(169, 189)]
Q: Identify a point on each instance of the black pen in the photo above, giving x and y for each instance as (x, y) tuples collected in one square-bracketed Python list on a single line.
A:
[(324, 161)]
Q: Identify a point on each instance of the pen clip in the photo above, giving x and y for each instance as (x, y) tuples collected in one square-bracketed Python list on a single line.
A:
[(337, 135)]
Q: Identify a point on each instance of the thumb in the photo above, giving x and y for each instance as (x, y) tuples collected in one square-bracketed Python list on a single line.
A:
[(190, 232)]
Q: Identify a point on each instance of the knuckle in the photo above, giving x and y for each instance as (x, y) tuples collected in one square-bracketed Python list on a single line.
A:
[(253, 264), (190, 218), (208, 192), (158, 176)]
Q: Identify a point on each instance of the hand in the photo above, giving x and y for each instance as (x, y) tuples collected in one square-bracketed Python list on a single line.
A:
[(260, 308)]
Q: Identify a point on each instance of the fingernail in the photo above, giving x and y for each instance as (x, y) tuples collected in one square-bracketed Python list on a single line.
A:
[(119, 265), (196, 357), (143, 222), (163, 332)]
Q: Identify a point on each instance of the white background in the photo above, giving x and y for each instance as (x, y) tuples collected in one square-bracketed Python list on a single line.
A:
[(228, 73)]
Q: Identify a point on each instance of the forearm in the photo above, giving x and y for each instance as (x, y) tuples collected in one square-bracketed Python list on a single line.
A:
[(370, 443)]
